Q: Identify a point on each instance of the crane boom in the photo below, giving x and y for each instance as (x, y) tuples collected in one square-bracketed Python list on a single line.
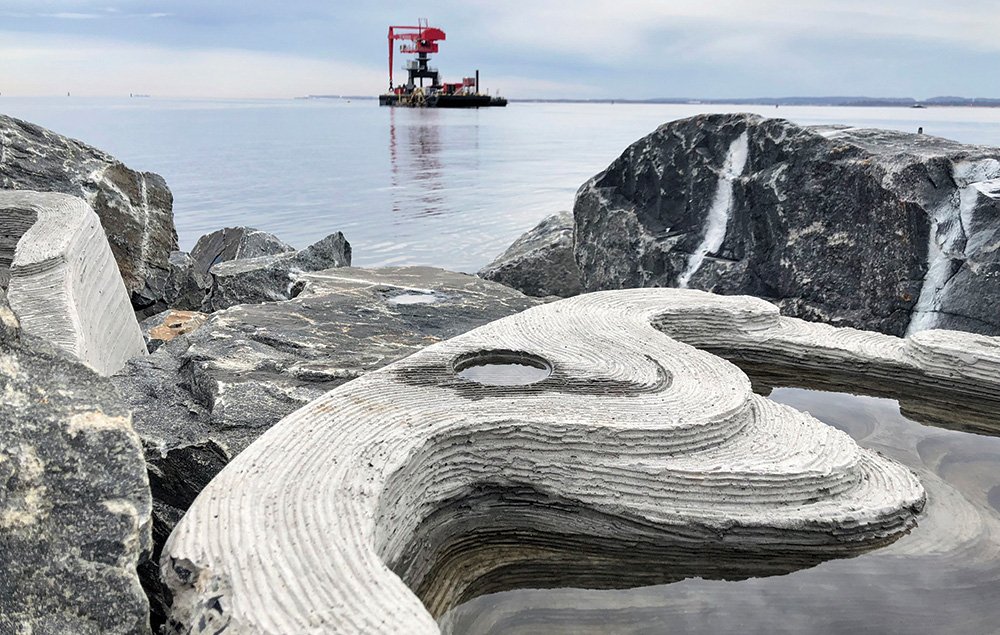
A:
[(424, 87), (421, 38)]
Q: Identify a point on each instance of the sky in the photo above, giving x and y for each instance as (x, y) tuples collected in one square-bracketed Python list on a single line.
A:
[(579, 49)]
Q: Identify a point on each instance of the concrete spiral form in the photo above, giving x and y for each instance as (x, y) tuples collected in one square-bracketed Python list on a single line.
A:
[(62, 280), (638, 460)]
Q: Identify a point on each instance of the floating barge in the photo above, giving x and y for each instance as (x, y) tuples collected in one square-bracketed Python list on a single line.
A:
[(423, 40)]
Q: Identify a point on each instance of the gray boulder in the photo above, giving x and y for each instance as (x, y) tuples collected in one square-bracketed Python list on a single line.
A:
[(74, 496), (878, 230), (273, 278), (235, 243), (135, 208), (187, 281), (540, 263), (181, 286), (204, 396)]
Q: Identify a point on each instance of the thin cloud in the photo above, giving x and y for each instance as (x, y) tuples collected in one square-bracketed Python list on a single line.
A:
[(79, 66), (551, 48), (71, 16)]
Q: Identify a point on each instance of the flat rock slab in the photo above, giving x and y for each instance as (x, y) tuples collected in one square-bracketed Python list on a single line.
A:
[(135, 208), (74, 498), (204, 396), (389, 500), (250, 365)]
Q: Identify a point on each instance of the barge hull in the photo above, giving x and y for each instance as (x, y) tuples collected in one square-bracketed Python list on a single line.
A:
[(442, 101)]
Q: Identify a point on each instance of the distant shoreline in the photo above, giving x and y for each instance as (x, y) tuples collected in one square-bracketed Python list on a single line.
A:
[(854, 102), (890, 102)]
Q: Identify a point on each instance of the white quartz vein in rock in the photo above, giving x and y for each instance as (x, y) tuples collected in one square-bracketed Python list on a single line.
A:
[(950, 238), (722, 208)]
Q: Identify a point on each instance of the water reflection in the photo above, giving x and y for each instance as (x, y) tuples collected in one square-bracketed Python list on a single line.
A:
[(933, 407), (416, 154), (941, 578)]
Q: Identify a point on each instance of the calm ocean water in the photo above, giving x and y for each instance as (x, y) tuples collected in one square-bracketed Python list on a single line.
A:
[(432, 187)]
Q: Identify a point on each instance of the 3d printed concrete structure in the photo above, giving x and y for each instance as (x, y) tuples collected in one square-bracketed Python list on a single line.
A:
[(620, 456), (62, 280)]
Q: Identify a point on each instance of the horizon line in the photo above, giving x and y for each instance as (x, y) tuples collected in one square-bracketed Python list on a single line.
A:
[(792, 100)]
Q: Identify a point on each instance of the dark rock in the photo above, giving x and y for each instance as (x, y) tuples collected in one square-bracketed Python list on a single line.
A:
[(204, 396), (176, 476), (540, 263), (879, 230), (10, 328), (135, 208), (182, 286), (273, 278), (74, 497), (235, 243)]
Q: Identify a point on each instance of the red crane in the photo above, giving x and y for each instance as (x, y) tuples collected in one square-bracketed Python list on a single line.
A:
[(422, 39)]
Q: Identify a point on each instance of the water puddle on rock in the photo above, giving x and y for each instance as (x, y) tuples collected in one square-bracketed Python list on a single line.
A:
[(503, 368), (505, 373), (944, 577), (414, 298)]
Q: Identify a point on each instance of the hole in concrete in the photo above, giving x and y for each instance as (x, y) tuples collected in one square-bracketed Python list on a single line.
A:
[(503, 368), (13, 225)]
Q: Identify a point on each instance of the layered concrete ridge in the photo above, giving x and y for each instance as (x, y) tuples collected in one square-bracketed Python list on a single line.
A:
[(638, 459), (956, 372), (62, 280)]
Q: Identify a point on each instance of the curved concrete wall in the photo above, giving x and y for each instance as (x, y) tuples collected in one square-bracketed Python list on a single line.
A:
[(62, 279), (639, 459), (947, 378)]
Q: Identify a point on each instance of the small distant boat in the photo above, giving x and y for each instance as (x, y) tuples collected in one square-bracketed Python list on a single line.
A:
[(918, 106), (422, 40)]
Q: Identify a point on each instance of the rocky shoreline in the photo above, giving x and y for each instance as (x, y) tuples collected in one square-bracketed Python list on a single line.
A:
[(135, 376)]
